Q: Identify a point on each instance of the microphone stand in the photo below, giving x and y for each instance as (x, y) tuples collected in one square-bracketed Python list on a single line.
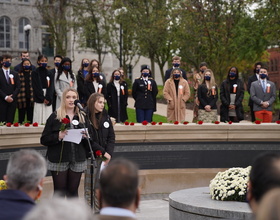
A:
[(92, 159)]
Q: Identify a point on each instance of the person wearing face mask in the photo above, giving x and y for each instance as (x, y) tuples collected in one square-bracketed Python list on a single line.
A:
[(144, 92), (43, 88), (231, 95), (198, 78), (94, 83), (9, 89), (263, 95), (95, 62), (64, 79), (176, 91), (253, 78), (82, 73), (117, 94), (176, 62), (207, 96), (24, 55), (25, 97), (57, 60)]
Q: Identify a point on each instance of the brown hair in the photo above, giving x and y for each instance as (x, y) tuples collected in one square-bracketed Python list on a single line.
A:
[(94, 97), (112, 76), (89, 76)]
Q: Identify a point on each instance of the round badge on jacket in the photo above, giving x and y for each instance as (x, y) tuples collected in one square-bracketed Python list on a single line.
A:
[(106, 124)]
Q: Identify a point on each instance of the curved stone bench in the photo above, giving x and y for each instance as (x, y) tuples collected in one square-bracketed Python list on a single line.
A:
[(196, 204)]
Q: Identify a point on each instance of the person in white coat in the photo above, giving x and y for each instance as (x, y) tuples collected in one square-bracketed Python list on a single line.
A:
[(64, 79)]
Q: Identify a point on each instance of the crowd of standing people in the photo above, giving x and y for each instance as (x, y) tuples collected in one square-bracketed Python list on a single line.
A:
[(37, 91)]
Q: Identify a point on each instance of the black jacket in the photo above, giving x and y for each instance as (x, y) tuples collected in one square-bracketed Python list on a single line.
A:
[(8, 89), (80, 86), (144, 98), (89, 89), (225, 99), (104, 138), (112, 100), (49, 138), (204, 99), (39, 82)]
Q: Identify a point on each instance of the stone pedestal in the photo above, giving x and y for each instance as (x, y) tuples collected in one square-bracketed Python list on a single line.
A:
[(196, 204)]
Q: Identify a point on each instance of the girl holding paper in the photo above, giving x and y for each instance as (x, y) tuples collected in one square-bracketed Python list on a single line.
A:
[(232, 94), (207, 94), (176, 91), (117, 94), (94, 83), (66, 160)]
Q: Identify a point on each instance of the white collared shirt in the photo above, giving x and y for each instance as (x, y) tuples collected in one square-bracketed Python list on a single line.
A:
[(117, 212)]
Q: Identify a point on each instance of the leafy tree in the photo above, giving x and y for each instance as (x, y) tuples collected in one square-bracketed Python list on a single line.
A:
[(56, 15)]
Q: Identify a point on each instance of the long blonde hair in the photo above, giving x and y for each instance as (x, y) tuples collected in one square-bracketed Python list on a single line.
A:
[(61, 111), (211, 82)]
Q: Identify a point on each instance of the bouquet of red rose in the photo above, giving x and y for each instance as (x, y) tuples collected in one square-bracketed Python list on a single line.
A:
[(98, 154), (64, 124)]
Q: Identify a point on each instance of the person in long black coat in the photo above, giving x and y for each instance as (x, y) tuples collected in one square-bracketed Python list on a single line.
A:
[(102, 138), (82, 73), (117, 94), (9, 89), (232, 94), (94, 83), (144, 92)]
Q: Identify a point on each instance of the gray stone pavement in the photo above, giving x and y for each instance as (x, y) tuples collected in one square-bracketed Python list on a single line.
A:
[(153, 206)]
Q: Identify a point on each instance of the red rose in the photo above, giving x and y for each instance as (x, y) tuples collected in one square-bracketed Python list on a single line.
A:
[(26, 124), (98, 153), (16, 124), (278, 122), (257, 122), (131, 123), (200, 122), (153, 123), (160, 123), (176, 122), (144, 122), (126, 123), (35, 124), (216, 122), (8, 124), (185, 122), (230, 122), (65, 121)]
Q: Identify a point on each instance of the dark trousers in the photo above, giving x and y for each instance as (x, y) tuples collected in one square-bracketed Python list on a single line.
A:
[(7, 111), (144, 115), (253, 118), (28, 111)]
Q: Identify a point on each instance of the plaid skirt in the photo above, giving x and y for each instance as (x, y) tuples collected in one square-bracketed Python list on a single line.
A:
[(63, 166)]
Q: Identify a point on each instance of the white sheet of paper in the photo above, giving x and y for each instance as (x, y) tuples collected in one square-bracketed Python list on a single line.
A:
[(102, 168), (74, 135)]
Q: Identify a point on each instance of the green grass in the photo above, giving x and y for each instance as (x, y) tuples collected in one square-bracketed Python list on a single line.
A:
[(132, 116)]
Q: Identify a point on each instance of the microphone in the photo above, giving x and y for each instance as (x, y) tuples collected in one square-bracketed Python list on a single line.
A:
[(78, 104)]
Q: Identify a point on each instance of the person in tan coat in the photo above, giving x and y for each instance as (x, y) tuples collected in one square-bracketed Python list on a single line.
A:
[(176, 91)]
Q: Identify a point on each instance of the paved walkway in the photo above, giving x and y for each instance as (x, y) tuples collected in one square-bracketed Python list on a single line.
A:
[(162, 109)]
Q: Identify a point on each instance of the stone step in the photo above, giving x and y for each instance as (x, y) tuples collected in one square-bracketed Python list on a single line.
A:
[(162, 181)]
